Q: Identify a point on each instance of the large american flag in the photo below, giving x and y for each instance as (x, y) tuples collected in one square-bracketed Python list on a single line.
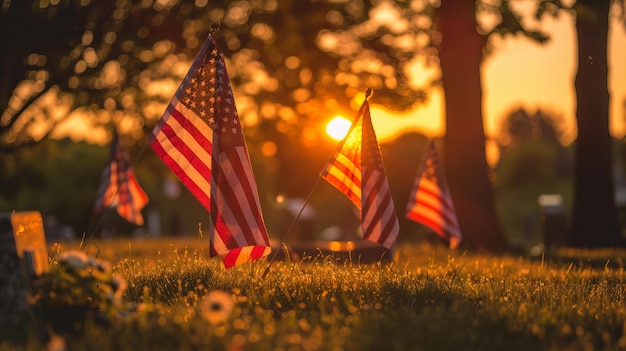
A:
[(119, 187), (356, 169), (200, 139), (430, 203)]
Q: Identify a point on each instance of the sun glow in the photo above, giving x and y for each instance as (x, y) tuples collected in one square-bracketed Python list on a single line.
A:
[(338, 127)]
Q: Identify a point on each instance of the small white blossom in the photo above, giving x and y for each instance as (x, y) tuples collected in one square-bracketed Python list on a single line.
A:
[(100, 265), (118, 284), (217, 306), (74, 259)]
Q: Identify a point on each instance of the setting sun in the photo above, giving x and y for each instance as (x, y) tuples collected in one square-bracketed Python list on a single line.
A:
[(338, 127)]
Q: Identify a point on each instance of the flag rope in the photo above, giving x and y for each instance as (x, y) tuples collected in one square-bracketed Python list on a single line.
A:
[(368, 95)]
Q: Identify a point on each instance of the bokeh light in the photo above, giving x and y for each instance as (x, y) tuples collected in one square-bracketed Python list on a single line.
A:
[(338, 127)]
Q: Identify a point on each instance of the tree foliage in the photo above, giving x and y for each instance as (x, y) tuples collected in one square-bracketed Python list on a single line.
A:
[(119, 62), (60, 178), (298, 62), (531, 151)]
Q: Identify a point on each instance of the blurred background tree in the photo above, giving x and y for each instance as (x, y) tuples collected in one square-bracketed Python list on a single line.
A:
[(533, 162), (595, 221)]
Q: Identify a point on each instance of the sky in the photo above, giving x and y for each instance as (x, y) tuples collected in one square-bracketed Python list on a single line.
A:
[(521, 73)]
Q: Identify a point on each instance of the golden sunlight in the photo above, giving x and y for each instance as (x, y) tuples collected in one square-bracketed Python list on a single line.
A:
[(338, 127)]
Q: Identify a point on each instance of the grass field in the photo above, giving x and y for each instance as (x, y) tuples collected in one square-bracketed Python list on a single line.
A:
[(429, 298)]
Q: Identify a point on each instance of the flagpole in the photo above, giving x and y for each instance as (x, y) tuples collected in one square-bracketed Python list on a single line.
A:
[(96, 221), (368, 95), (425, 154), (293, 223)]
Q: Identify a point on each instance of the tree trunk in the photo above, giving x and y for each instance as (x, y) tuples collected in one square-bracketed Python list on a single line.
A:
[(595, 222), (465, 162)]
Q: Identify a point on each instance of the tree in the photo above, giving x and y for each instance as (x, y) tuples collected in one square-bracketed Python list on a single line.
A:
[(533, 162), (461, 53), (531, 151), (57, 177), (67, 56), (595, 222), (104, 58)]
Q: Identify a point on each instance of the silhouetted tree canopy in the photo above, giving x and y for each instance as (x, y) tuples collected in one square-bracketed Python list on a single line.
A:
[(531, 151)]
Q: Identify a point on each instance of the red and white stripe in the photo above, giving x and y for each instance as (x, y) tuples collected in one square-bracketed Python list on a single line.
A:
[(184, 142), (379, 218), (240, 233), (431, 203)]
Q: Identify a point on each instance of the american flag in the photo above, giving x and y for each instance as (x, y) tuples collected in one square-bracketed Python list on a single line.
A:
[(200, 139), (119, 187), (356, 169), (430, 203)]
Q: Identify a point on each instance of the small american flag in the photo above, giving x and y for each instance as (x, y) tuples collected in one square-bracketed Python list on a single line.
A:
[(356, 169), (200, 139), (430, 203), (119, 187)]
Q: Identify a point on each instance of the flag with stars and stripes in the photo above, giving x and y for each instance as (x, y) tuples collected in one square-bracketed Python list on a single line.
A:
[(119, 187), (356, 169), (431, 203), (200, 139)]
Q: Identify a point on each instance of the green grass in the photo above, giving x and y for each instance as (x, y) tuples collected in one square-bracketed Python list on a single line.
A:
[(430, 298)]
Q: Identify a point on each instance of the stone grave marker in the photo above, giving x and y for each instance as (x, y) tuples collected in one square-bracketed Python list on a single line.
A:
[(23, 254)]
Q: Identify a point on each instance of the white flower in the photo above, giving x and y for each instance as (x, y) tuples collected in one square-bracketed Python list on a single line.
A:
[(118, 286), (74, 259), (100, 265), (217, 306)]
